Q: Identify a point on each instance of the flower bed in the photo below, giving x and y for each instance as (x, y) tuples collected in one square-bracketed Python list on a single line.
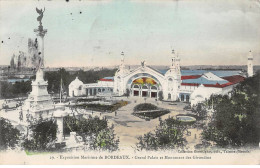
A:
[(148, 111), (145, 107), (102, 107)]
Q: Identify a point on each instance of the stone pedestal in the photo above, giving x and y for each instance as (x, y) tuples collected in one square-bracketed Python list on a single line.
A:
[(39, 102), (59, 115)]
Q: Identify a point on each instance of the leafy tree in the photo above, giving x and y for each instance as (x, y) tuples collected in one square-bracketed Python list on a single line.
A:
[(168, 135), (103, 137), (106, 140), (6, 90), (9, 136), (43, 135), (22, 88), (236, 119), (200, 110)]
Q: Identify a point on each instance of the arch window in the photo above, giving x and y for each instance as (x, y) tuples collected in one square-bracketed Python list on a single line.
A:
[(170, 84), (145, 87), (154, 87), (169, 96), (136, 86)]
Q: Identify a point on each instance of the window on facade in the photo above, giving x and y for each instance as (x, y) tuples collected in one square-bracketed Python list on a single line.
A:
[(154, 87), (169, 96), (136, 86), (170, 84), (145, 87)]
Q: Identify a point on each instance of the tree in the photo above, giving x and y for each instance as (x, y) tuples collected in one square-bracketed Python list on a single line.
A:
[(200, 110), (9, 136), (105, 140), (168, 135), (43, 135), (6, 90), (235, 121), (102, 136)]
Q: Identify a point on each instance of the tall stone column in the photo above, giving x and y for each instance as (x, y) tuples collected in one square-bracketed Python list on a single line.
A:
[(40, 32)]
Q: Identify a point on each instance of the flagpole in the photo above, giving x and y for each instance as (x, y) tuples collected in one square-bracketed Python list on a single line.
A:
[(60, 85)]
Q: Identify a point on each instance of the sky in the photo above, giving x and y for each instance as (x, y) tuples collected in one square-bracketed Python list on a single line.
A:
[(94, 33)]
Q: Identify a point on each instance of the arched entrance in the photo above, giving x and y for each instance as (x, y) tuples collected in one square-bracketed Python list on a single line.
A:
[(187, 98), (144, 87), (154, 91), (145, 91), (182, 97), (136, 90)]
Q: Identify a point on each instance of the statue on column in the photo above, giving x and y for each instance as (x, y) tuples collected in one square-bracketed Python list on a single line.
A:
[(39, 18)]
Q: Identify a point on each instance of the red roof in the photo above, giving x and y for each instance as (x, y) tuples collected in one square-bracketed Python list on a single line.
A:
[(190, 77), (234, 79), (107, 80), (190, 84)]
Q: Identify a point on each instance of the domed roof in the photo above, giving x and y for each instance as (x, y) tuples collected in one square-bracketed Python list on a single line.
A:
[(76, 82)]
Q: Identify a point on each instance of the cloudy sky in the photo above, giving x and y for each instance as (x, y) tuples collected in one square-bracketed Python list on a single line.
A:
[(93, 33)]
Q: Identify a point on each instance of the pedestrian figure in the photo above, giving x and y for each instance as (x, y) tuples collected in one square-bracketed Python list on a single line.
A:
[(195, 136), (115, 113), (92, 112), (21, 116), (100, 114)]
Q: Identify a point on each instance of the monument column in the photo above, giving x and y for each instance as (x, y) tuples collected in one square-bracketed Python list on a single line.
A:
[(40, 32)]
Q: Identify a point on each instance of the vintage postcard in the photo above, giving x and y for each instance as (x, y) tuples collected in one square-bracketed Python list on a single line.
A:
[(130, 82)]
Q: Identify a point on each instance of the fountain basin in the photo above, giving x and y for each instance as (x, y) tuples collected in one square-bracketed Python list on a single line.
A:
[(186, 118)]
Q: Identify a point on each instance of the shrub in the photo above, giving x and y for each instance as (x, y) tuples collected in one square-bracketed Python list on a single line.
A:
[(103, 137), (9, 135), (105, 140), (43, 135), (168, 135), (88, 126)]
